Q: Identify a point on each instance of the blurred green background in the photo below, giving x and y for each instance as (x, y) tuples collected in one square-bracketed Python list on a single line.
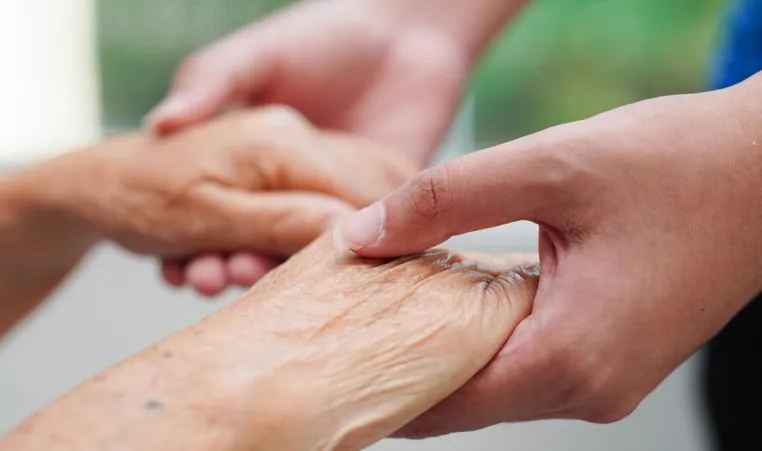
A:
[(561, 60)]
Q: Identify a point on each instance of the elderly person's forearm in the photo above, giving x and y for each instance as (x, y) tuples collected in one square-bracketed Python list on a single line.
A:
[(328, 352), (40, 241)]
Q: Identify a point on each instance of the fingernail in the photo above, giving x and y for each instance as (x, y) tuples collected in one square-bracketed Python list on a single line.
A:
[(364, 228)]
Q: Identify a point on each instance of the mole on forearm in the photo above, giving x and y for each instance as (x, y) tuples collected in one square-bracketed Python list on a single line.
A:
[(153, 404)]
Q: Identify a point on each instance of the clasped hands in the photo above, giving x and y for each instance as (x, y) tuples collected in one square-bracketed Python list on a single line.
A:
[(359, 348), (327, 351), (647, 250)]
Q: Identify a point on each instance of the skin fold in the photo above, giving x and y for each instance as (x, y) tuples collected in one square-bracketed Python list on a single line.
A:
[(263, 179), (328, 352)]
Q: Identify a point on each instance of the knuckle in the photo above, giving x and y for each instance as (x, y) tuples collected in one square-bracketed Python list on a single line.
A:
[(431, 194), (274, 126), (517, 288)]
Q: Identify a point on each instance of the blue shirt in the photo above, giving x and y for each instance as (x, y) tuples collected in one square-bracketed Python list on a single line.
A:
[(740, 54)]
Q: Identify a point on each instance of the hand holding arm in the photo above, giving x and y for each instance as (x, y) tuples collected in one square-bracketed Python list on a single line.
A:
[(649, 244), (328, 352)]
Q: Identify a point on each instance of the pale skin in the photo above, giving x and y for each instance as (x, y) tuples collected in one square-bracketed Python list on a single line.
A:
[(328, 352), (648, 213), (264, 179), (391, 71)]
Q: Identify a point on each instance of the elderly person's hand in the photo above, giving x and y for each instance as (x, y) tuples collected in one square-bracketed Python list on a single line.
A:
[(328, 352), (391, 71), (262, 179), (305, 179)]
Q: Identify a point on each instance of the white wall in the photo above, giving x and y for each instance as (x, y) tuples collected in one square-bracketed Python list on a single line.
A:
[(48, 82)]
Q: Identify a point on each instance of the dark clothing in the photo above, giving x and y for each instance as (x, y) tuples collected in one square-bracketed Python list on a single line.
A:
[(733, 382)]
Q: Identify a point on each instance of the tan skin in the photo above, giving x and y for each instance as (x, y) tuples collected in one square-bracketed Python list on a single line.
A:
[(649, 213), (263, 179), (328, 352), (649, 244)]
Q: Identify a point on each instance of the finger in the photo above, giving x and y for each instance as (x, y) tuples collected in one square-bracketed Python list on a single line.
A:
[(516, 181), (357, 170), (228, 71), (246, 268), (206, 274), (283, 151), (278, 149), (278, 223), (173, 272)]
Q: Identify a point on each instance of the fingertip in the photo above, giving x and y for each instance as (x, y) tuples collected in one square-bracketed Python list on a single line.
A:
[(245, 269), (362, 231), (182, 108), (169, 116), (173, 272), (159, 127), (206, 274)]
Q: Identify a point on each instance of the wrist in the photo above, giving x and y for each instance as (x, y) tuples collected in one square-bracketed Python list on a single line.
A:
[(737, 112), (296, 394), (80, 187), (43, 199), (468, 25), (261, 388)]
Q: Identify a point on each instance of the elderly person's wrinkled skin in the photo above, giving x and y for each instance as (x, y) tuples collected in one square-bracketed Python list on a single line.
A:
[(264, 180), (328, 352)]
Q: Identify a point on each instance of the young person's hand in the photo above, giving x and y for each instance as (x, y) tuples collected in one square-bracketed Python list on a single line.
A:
[(392, 71), (650, 242)]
